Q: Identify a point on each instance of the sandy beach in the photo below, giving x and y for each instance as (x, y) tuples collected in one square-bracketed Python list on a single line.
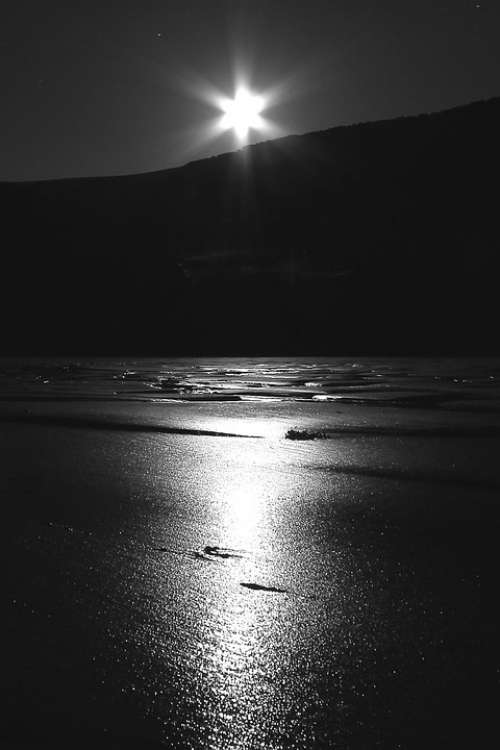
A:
[(180, 574)]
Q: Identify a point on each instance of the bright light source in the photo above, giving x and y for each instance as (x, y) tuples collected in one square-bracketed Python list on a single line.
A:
[(242, 113)]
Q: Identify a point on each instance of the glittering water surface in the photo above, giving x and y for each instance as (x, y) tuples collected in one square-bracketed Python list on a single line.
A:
[(212, 380), (181, 572)]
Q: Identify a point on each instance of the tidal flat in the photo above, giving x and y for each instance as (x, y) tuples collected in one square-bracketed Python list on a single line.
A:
[(249, 553)]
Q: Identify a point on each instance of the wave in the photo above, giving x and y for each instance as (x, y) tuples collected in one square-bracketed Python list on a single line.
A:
[(294, 434), (403, 383), (89, 423), (409, 475), (441, 431)]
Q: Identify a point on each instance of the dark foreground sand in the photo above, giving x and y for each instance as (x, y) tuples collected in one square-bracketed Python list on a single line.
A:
[(202, 591)]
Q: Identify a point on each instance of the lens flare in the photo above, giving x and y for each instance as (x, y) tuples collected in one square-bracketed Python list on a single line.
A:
[(242, 113)]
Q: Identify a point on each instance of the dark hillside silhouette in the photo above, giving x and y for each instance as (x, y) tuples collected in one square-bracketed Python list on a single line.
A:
[(373, 238)]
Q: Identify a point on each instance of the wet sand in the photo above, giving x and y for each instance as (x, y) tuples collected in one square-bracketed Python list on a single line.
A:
[(195, 590)]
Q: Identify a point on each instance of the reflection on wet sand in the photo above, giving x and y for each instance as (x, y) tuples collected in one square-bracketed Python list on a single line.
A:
[(241, 640), (166, 580)]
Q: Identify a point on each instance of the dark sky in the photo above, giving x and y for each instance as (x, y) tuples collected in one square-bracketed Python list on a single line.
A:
[(94, 88)]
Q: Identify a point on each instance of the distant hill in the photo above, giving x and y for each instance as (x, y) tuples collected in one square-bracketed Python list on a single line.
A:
[(372, 238)]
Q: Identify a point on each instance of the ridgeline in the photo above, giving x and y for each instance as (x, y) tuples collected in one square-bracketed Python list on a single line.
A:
[(369, 239)]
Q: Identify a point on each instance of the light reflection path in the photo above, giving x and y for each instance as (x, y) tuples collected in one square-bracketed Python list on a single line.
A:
[(248, 643), (242, 650)]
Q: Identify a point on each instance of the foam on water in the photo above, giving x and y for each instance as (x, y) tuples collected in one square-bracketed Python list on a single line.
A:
[(408, 382)]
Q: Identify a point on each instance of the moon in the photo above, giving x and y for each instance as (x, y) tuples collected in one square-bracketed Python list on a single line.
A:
[(243, 113)]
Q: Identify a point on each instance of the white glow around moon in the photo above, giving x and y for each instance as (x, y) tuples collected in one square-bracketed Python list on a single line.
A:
[(243, 113)]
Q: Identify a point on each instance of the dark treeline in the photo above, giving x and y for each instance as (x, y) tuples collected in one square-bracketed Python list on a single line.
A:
[(374, 238)]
